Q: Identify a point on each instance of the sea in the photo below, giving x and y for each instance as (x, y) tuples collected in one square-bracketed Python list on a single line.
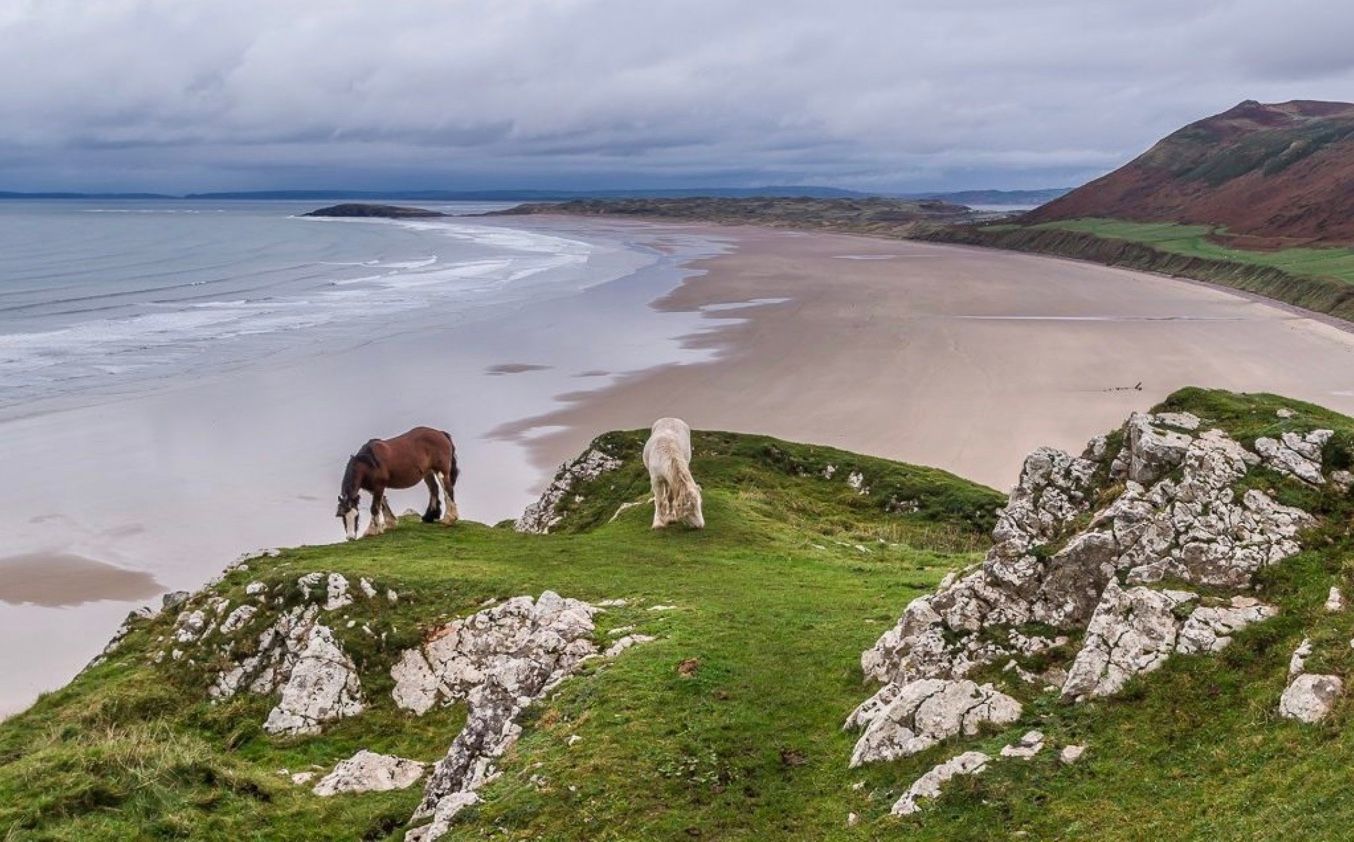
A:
[(100, 297)]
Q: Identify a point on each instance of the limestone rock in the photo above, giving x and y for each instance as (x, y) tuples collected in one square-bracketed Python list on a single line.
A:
[(625, 643), (190, 626), (238, 618), (336, 593), (302, 658), (173, 600), (1335, 601), (499, 661), (1030, 745), (540, 517), (1133, 631), (1295, 455), (442, 816), (255, 588), (1310, 697), (1151, 451), (924, 712), (929, 784), (368, 589), (1182, 420), (1071, 754), (1210, 628), (322, 687), (368, 771), (1297, 663)]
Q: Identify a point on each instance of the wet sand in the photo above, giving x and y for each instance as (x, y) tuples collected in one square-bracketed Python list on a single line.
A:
[(960, 358), (63, 579)]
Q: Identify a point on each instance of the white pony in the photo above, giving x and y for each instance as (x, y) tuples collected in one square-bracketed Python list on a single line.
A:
[(667, 455)]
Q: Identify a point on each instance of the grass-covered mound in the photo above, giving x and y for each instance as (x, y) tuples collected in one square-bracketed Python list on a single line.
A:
[(775, 600), (729, 724)]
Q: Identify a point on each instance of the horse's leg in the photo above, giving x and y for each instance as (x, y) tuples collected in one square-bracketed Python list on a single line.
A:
[(388, 513), (378, 519), (434, 512), (660, 502), (450, 514)]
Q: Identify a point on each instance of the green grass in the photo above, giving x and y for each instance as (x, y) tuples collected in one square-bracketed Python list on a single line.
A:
[(1192, 241), (794, 576)]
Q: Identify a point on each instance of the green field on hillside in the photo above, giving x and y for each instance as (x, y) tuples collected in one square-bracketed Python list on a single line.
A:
[(796, 574), (1192, 241)]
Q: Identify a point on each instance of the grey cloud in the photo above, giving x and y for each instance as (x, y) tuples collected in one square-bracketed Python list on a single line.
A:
[(881, 94)]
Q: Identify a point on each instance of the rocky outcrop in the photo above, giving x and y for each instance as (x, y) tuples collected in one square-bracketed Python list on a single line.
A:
[(1133, 631), (1209, 628), (498, 661), (928, 785), (542, 516), (924, 712), (1084, 545), (1295, 455), (368, 771), (321, 687), (296, 655)]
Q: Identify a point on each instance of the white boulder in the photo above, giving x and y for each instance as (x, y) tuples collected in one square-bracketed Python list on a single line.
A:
[(1310, 697), (368, 771)]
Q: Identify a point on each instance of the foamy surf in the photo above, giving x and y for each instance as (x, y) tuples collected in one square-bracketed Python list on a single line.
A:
[(240, 285)]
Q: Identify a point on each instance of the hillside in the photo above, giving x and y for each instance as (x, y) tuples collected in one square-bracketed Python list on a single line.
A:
[(725, 662), (877, 216), (1270, 174)]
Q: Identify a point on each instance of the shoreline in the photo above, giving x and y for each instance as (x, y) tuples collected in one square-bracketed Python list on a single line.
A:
[(956, 357), (174, 480)]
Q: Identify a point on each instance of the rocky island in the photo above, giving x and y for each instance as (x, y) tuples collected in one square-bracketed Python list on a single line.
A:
[(363, 210)]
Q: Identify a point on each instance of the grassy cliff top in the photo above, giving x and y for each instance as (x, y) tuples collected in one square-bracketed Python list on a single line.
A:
[(729, 724)]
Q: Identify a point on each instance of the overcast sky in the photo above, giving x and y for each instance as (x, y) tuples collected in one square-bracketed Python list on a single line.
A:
[(178, 95)]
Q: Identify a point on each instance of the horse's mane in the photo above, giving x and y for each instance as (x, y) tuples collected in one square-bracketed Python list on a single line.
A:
[(365, 456)]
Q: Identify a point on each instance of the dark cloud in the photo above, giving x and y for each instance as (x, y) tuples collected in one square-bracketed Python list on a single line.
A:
[(886, 94)]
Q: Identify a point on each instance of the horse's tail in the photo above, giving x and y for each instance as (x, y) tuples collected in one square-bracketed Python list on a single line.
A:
[(453, 470), (682, 489)]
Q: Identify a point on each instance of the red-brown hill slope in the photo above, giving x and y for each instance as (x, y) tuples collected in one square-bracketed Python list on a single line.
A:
[(1284, 170)]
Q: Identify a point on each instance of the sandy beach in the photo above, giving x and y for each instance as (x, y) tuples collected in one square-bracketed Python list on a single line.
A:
[(964, 359), (960, 358)]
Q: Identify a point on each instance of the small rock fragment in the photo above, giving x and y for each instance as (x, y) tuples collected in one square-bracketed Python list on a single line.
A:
[(1297, 664), (625, 643), (1335, 601), (928, 785), (1030, 745), (337, 595), (1071, 754)]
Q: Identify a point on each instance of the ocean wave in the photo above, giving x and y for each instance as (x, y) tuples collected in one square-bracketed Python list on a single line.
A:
[(156, 328)]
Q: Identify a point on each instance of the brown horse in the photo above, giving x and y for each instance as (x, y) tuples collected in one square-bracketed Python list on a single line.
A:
[(420, 454)]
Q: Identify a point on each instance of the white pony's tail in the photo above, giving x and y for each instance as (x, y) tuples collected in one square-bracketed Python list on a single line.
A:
[(684, 496)]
